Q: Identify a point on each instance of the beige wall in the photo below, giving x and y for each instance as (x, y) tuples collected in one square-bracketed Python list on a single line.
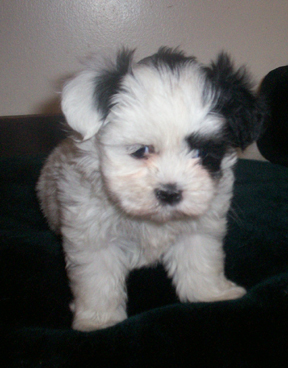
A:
[(43, 40)]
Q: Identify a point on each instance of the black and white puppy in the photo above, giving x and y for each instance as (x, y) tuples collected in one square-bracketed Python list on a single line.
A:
[(151, 179)]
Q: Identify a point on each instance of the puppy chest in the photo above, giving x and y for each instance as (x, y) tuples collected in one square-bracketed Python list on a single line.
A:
[(146, 244)]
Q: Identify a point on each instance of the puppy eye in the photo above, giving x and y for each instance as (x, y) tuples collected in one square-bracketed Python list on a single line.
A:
[(196, 153), (143, 152)]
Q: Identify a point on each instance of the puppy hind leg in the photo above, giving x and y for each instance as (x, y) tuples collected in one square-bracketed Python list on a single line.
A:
[(98, 285), (196, 265)]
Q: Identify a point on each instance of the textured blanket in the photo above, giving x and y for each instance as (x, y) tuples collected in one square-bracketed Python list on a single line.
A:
[(249, 332)]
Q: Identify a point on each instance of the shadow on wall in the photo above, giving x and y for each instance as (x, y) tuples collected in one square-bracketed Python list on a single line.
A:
[(50, 107)]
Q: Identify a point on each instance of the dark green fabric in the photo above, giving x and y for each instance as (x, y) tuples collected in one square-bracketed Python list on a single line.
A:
[(160, 331)]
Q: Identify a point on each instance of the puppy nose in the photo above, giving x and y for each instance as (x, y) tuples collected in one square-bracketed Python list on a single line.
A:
[(168, 194)]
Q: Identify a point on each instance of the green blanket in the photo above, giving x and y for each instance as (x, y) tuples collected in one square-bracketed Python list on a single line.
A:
[(160, 331)]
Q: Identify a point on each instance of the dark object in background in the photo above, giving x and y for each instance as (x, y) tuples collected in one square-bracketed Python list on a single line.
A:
[(273, 144)]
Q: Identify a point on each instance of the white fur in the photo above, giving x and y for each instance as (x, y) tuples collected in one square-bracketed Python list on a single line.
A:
[(102, 200), (77, 104)]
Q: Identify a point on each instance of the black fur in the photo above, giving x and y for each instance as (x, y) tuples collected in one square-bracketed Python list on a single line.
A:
[(211, 151), (108, 83), (244, 112)]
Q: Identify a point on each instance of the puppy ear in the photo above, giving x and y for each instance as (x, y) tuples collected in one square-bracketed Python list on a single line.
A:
[(235, 100), (86, 99)]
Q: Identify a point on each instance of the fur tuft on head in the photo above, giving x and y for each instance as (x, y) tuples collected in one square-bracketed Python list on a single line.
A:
[(169, 58)]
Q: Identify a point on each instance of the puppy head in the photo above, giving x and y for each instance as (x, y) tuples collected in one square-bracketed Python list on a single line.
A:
[(166, 128)]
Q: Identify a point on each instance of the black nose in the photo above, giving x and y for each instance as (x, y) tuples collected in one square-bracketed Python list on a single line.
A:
[(168, 194)]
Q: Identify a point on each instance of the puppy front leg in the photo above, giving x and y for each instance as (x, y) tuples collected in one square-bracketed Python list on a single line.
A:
[(196, 265), (98, 285)]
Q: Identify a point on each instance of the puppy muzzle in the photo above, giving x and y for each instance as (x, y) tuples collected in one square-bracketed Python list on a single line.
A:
[(168, 194)]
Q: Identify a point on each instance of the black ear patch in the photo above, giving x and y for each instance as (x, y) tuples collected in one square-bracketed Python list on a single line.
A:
[(244, 112), (108, 82)]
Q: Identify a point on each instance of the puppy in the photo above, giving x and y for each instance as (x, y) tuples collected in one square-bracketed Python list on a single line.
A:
[(147, 177)]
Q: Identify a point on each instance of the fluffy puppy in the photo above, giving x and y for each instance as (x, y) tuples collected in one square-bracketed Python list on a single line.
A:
[(151, 178)]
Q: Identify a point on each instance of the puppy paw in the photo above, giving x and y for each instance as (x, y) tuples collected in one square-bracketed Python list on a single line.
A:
[(227, 291), (235, 292), (91, 325), (91, 321)]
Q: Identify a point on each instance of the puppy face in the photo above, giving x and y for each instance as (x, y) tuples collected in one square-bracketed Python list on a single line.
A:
[(164, 126), (155, 141)]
